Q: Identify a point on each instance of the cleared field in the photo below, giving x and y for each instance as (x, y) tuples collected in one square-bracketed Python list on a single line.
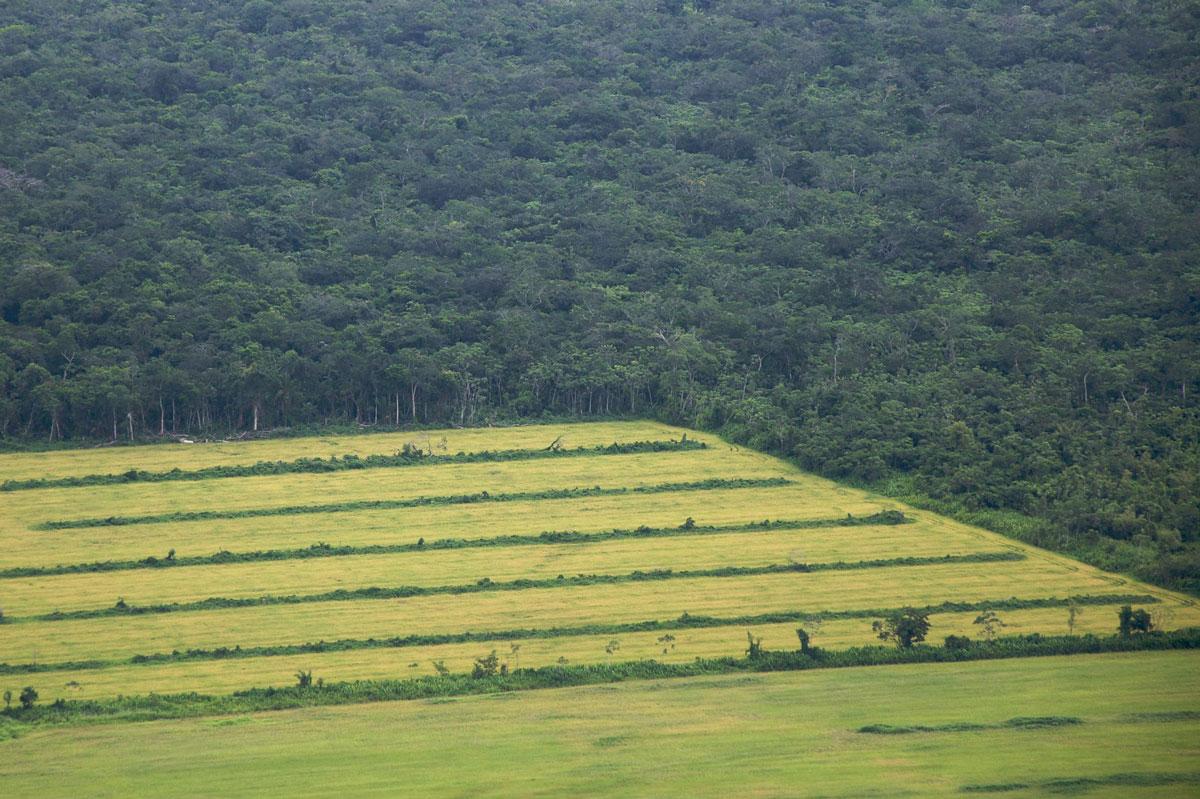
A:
[(114, 460), (721, 736), (770, 734), (540, 608), (40, 595), (225, 676)]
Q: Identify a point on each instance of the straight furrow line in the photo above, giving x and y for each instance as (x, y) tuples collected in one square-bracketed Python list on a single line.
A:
[(487, 585), (390, 504), (409, 456), (323, 550)]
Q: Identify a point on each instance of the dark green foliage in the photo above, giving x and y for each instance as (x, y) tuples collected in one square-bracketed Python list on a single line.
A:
[(754, 649), (387, 504), (905, 627), (409, 456), (948, 246), (323, 550), (155, 706), (805, 640), (520, 584), (1131, 622), (487, 666), (957, 642), (685, 621), (27, 697), (304, 679)]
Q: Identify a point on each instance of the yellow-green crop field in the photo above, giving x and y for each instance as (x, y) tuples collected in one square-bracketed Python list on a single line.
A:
[(120, 589)]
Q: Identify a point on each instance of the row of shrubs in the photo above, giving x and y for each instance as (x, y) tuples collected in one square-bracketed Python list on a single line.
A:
[(323, 550), (410, 455), (390, 504), (683, 622), (309, 693), (521, 584)]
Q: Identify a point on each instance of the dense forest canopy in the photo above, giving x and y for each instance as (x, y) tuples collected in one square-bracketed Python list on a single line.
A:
[(950, 244)]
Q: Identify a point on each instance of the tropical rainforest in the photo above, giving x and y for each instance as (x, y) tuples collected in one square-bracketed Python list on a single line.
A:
[(949, 249)]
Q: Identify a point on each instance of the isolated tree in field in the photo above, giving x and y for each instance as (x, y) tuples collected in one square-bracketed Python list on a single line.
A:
[(28, 697), (1073, 614), (1133, 621), (754, 647), (486, 666), (515, 649), (612, 646), (7, 700), (990, 623), (440, 667), (905, 627), (304, 679), (805, 639)]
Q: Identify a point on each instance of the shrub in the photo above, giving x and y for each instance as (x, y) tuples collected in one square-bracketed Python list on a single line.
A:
[(28, 697), (958, 642), (486, 666)]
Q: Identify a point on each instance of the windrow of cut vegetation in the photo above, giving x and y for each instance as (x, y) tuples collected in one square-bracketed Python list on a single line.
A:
[(325, 550), (459, 499), (411, 455)]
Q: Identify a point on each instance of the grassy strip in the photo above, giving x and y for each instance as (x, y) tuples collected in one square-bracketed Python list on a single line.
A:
[(487, 584), (1019, 723), (190, 705), (323, 550), (390, 504), (1074, 785), (409, 456), (683, 622)]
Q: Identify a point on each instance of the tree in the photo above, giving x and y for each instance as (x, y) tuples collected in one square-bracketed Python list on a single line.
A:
[(754, 647), (488, 666), (905, 627), (1074, 611), (28, 697), (1133, 621), (990, 623), (8, 700), (304, 679), (805, 639)]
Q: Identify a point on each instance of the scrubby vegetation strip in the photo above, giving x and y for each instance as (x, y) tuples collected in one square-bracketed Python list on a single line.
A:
[(1075, 785), (1018, 723), (310, 694), (390, 504), (521, 584), (323, 550), (683, 622), (409, 456)]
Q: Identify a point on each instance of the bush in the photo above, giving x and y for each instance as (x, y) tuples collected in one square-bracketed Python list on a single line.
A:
[(28, 697), (958, 642), (486, 666)]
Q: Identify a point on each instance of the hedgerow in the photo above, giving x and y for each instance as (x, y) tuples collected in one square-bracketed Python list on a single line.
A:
[(324, 550), (185, 705), (487, 585), (683, 622), (390, 504), (409, 456)]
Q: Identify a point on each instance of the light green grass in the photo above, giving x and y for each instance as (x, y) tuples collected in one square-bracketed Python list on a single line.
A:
[(790, 734)]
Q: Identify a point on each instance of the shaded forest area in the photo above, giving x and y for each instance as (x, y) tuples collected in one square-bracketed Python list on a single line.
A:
[(945, 249)]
